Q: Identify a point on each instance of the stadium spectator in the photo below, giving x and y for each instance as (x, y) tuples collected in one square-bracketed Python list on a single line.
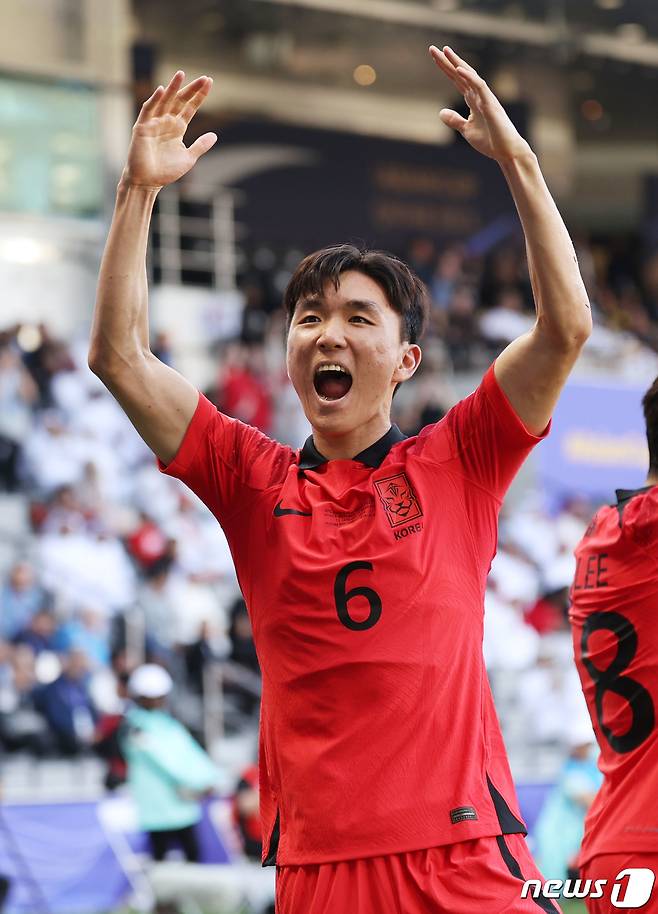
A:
[(506, 320), (161, 598), (107, 738), (18, 395), (22, 728), (242, 391), (447, 277), (39, 633), (209, 647), (246, 813), (461, 334), (243, 650), (20, 598), (88, 630), (67, 705), (505, 271), (168, 772), (63, 513), (559, 828), (421, 257), (87, 566), (146, 542)]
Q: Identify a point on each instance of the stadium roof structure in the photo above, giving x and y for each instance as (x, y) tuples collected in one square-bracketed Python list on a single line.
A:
[(604, 49)]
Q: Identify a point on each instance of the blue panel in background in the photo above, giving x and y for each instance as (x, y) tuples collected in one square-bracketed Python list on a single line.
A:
[(59, 859), (597, 443)]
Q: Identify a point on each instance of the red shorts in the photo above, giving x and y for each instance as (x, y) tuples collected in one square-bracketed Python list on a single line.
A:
[(472, 877), (608, 867)]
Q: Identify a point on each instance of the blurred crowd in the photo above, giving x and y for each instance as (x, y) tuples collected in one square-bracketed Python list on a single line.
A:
[(105, 563), (481, 296)]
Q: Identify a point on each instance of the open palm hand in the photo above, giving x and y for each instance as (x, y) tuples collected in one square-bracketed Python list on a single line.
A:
[(487, 128), (157, 155)]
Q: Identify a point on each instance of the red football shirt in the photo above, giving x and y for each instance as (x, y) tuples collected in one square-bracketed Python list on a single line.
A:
[(614, 597), (365, 582)]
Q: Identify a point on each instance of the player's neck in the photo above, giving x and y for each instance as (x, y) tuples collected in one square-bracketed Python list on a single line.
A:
[(346, 446), (652, 479)]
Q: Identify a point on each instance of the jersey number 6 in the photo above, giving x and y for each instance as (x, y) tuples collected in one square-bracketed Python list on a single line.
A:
[(342, 598), (612, 680)]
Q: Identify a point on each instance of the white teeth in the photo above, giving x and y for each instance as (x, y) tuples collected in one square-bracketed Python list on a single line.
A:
[(332, 368)]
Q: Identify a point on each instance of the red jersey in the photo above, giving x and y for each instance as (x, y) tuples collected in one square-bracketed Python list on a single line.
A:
[(365, 582), (614, 597)]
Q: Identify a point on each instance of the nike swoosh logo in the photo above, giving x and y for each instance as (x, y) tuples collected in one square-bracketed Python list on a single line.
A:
[(282, 512)]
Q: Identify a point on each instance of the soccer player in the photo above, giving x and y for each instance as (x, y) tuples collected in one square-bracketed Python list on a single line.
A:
[(614, 596), (363, 557)]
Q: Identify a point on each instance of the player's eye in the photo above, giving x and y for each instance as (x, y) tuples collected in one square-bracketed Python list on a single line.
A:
[(308, 318), (359, 319)]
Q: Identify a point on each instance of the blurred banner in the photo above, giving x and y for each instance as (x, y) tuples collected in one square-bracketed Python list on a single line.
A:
[(306, 188), (597, 443), (63, 858)]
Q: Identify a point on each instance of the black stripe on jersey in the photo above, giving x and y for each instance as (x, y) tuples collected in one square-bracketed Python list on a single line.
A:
[(509, 824), (623, 498), (513, 866), (273, 846)]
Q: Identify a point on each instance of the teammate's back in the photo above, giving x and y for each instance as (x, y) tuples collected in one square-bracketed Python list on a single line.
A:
[(615, 630)]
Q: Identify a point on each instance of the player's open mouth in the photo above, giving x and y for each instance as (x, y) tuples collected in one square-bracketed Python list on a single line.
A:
[(331, 382)]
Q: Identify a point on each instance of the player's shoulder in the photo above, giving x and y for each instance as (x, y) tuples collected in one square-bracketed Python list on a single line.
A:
[(638, 513), (632, 518), (248, 450)]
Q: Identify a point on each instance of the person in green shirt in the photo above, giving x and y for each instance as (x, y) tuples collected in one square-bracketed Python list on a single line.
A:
[(168, 771)]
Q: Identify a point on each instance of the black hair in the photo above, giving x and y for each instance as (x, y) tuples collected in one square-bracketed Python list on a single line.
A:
[(406, 293), (650, 407)]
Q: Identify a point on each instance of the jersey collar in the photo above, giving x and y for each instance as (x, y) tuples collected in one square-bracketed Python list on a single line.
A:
[(373, 456), (626, 494)]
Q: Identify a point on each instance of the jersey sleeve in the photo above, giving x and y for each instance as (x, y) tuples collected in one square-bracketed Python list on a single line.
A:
[(225, 462), (483, 437)]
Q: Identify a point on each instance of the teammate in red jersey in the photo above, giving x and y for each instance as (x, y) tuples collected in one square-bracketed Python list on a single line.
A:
[(363, 557), (614, 595)]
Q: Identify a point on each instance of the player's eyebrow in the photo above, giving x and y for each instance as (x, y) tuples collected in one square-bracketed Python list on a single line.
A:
[(318, 303)]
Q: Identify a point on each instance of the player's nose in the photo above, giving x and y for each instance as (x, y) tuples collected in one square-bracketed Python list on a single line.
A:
[(332, 335)]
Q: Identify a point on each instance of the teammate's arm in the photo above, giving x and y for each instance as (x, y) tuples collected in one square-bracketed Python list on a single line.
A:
[(159, 402), (533, 369)]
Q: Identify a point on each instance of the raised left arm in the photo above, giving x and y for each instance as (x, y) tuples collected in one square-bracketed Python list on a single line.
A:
[(533, 369)]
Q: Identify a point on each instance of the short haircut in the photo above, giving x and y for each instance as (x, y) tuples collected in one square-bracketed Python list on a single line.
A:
[(650, 406), (405, 292)]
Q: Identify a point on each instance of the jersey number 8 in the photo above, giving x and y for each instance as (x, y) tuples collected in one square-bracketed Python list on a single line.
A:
[(612, 680)]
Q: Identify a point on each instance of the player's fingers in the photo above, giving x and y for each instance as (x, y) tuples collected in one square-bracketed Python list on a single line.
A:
[(147, 108), (444, 64), (456, 60), (169, 93), (203, 144), (186, 93), (192, 106), (466, 72), (477, 89), (452, 119)]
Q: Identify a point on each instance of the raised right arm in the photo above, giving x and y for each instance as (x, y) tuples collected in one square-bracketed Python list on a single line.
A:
[(159, 402)]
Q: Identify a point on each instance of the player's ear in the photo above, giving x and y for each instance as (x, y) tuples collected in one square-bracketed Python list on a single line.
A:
[(410, 358)]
